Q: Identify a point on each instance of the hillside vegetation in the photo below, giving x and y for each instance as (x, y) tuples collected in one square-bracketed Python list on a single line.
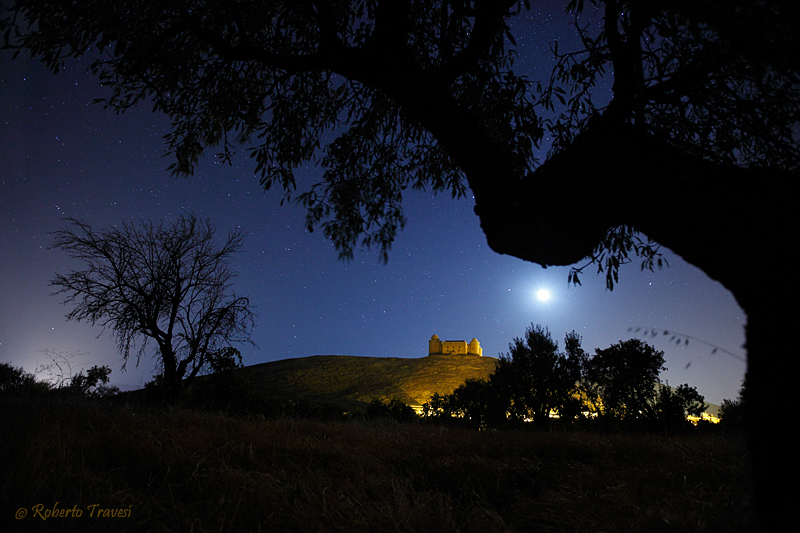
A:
[(351, 382)]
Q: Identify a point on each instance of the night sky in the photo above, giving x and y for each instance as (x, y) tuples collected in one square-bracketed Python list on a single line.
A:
[(62, 156)]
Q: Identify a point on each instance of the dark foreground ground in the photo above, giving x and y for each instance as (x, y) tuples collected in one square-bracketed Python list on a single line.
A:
[(124, 470)]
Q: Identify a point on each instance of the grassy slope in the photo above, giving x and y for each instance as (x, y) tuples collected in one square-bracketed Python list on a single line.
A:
[(352, 381)]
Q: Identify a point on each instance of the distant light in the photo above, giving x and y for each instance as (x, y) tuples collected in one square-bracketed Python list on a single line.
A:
[(543, 295)]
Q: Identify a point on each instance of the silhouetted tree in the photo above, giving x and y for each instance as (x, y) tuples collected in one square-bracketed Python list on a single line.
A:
[(14, 381), (692, 148), (733, 414), (672, 407), (167, 284), (395, 409), (93, 383), (436, 407), (534, 379), (469, 402), (623, 377)]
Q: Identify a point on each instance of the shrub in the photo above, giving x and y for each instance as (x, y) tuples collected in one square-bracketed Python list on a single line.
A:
[(394, 409), (14, 381)]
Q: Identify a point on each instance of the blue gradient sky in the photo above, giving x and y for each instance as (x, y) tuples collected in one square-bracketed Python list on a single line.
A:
[(61, 156)]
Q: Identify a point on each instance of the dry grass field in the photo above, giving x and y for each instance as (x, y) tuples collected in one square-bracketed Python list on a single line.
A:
[(183, 471)]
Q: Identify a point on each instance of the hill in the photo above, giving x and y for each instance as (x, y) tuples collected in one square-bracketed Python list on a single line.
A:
[(352, 381)]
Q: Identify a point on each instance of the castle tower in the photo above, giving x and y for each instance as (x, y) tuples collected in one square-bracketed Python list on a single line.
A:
[(434, 346), (475, 348)]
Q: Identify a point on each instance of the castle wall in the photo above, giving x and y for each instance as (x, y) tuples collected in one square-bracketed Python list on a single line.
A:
[(454, 347), (439, 347)]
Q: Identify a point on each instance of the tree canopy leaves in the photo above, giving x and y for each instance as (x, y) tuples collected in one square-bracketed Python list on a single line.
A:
[(389, 95), (536, 379), (344, 85), (624, 376)]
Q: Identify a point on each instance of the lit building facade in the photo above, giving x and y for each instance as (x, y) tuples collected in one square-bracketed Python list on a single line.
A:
[(440, 347)]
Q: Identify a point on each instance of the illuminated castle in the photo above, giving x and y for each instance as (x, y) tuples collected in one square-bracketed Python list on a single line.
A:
[(438, 347)]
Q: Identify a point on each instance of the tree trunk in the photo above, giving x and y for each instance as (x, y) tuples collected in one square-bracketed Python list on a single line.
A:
[(772, 374), (732, 223), (171, 380)]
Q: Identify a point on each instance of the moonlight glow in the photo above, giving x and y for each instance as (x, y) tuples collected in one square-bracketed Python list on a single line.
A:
[(394, 307), (543, 295)]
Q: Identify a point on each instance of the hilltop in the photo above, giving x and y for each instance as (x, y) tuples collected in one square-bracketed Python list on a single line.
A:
[(353, 381)]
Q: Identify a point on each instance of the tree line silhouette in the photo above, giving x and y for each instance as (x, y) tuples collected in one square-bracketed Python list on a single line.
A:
[(534, 386), (618, 387)]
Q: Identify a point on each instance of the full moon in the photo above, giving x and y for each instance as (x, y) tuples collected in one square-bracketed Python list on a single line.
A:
[(543, 295)]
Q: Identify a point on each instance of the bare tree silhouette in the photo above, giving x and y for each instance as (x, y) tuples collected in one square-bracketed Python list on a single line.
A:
[(160, 283)]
